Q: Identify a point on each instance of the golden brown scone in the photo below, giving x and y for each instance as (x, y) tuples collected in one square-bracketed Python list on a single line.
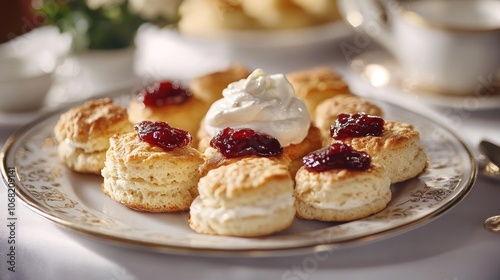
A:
[(328, 110), (186, 115), (214, 159), (83, 133), (398, 149), (295, 152), (340, 194), (147, 178), (202, 137), (317, 84), (250, 197), (209, 87)]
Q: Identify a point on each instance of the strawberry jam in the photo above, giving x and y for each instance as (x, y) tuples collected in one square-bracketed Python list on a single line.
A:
[(239, 142), (356, 125), (161, 134), (163, 93), (338, 155)]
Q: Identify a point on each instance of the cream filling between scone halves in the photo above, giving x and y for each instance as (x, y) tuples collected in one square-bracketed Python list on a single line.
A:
[(222, 214)]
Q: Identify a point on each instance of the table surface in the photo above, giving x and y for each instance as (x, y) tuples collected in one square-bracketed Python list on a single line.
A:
[(453, 247)]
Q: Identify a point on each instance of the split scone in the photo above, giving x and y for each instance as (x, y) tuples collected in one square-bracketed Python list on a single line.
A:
[(341, 195), (83, 133), (317, 84), (250, 197), (168, 101), (398, 149), (342, 191), (328, 110), (149, 178)]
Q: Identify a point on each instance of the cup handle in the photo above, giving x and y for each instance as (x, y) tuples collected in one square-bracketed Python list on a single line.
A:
[(371, 17)]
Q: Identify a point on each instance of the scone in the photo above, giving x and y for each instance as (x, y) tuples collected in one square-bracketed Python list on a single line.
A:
[(328, 110), (83, 133), (146, 177), (250, 197), (209, 87), (398, 149), (341, 195), (168, 101), (317, 84), (295, 152), (202, 137)]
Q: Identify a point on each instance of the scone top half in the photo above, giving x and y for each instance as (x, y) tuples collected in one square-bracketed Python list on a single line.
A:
[(90, 125), (399, 149), (245, 182)]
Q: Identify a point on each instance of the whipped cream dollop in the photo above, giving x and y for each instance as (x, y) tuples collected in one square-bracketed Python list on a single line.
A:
[(264, 103)]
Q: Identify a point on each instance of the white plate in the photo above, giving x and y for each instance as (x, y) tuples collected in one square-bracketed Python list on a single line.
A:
[(380, 70), (75, 201)]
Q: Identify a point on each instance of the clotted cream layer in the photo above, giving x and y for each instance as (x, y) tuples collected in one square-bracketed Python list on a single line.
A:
[(264, 103), (207, 209)]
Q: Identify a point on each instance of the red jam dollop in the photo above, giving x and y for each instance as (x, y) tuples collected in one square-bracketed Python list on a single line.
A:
[(239, 142), (161, 134), (338, 155), (356, 125), (163, 93)]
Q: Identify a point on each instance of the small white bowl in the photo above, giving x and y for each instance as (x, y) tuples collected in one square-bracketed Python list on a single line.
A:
[(25, 93), (27, 64)]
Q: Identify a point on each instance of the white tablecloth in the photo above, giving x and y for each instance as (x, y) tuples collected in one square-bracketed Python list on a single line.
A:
[(453, 247)]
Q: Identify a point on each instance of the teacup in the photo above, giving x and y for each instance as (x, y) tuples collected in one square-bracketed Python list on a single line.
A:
[(447, 47)]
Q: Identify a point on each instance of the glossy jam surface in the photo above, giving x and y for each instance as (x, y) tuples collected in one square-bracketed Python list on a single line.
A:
[(356, 125), (163, 93), (161, 134), (337, 156), (239, 142)]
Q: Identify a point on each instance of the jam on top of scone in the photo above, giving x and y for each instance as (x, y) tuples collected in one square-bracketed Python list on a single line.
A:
[(338, 155), (238, 142), (356, 125), (163, 135), (163, 93)]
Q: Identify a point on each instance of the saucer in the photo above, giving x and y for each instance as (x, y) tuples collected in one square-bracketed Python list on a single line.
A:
[(380, 70)]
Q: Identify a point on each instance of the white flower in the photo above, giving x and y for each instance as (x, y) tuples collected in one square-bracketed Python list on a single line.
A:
[(96, 4), (154, 9)]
